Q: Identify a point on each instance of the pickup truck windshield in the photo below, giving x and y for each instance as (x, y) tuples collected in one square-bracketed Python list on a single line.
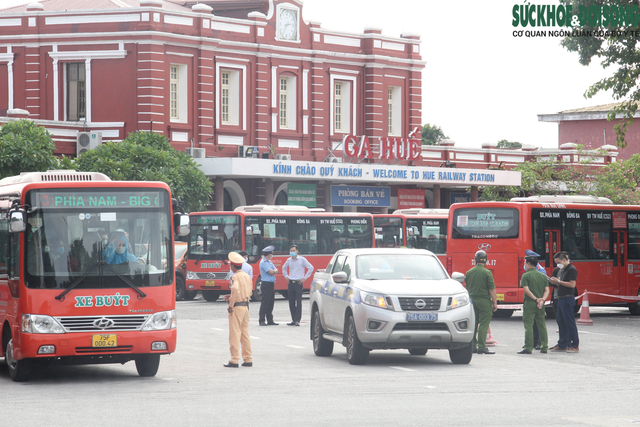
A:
[(399, 267)]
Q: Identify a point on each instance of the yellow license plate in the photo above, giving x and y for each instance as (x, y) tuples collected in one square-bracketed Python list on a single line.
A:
[(108, 340), (210, 283), (500, 297)]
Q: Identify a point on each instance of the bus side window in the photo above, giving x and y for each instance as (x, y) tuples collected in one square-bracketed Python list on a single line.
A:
[(4, 243), (14, 256)]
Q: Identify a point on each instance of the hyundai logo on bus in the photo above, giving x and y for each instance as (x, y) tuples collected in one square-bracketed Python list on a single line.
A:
[(103, 323), (484, 246)]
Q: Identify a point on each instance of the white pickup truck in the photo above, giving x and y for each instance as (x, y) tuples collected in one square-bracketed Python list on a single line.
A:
[(379, 298)]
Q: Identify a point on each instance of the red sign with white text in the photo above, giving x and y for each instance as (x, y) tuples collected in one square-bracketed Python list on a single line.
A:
[(408, 199)]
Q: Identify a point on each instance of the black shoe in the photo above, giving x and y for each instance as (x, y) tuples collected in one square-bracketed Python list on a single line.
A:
[(248, 364), (524, 352), (486, 351), (272, 324), (296, 323), (543, 351), (231, 365), (263, 324), (291, 324), (537, 347)]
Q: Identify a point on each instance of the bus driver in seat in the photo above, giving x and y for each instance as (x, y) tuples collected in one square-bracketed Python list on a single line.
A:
[(117, 252)]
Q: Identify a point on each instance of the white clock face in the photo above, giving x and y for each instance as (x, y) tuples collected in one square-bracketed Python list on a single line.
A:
[(288, 24)]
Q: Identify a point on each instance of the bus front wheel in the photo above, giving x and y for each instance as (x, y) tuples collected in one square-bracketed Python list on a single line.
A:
[(502, 314), (211, 296), (147, 364), (634, 307), (19, 370)]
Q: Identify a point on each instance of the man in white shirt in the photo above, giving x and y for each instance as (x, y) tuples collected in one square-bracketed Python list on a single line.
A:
[(294, 271)]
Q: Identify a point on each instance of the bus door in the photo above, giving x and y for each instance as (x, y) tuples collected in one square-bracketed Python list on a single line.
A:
[(551, 247), (619, 272)]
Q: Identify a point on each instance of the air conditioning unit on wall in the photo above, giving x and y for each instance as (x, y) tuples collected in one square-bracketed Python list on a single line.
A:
[(335, 160), (283, 156), (196, 153), (86, 141)]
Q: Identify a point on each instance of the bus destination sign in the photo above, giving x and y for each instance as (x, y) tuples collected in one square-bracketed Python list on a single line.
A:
[(100, 199)]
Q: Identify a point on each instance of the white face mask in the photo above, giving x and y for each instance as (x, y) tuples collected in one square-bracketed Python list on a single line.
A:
[(120, 250), (560, 266)]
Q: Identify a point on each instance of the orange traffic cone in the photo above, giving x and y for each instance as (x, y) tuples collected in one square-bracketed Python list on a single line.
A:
[(491, 342), (585, 318)]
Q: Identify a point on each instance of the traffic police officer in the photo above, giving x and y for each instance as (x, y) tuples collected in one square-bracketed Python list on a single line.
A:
[(268, 280), (482, 290), (239, 313)]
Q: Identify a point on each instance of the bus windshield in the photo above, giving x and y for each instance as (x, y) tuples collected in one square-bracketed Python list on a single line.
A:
[(214, 236), (98, 238), (388, 231), (429, 234), (485, 223)]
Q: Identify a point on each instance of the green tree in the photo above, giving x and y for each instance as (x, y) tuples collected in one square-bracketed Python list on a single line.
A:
[(503, 143), (148, 156), (618, 50), (25, 147), (431, 135), (619, 181)]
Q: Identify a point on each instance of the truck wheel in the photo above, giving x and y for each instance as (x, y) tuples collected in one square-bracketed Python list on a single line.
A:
[(147, 364), (211, 296), (180, 288), (418, 351), (19, 370), (461, 356), (321, 346), (357, 354), (502, 314)]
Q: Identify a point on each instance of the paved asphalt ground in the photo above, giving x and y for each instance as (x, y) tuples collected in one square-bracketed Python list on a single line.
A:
[(290, 386)]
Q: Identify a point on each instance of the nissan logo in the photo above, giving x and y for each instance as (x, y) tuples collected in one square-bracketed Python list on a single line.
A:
[(103, 323), (420, 304), (484, 246)]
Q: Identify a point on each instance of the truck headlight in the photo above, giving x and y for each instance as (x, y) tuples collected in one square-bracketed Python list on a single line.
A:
[(192, 275), (161, 321), (40, 324), (458, 300), (375, 300)]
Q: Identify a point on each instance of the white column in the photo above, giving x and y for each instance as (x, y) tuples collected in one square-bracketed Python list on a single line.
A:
[(56, 103), (87, 90)]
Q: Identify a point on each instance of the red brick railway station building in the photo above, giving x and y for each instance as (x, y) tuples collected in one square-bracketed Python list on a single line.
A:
[(264, 99)]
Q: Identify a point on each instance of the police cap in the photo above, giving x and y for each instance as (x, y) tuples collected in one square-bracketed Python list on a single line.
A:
[(269, 249), (236, 259), (529, 252)]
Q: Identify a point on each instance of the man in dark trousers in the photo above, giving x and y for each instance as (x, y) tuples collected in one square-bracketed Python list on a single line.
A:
[(482, 290), (267, 282), (294, 271), (566, 283)]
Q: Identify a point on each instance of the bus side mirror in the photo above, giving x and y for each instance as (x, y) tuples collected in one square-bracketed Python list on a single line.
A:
[(181, 222), (17, 222)]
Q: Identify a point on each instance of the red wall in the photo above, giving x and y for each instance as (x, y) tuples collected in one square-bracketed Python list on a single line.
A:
[(591, 133)]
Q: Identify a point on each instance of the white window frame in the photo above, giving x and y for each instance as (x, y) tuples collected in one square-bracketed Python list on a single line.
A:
[(236, 93), (348, 105), (288, 122), (394, 111), (181, 90), (65, 77)]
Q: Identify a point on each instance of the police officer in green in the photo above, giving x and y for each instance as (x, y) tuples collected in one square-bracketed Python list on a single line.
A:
[(536, 291), (482, 290)]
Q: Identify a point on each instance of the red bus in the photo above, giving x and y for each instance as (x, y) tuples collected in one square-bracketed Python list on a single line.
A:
[(251, 228), (413, 228), (68, 297), (602, 239)]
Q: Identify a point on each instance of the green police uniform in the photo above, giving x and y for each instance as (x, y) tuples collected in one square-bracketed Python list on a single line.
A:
[(536, 283), (479, 281)]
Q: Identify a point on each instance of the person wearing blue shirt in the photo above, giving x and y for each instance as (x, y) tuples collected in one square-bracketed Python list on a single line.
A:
[(294, 271), (117, 252), (267, 286)]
